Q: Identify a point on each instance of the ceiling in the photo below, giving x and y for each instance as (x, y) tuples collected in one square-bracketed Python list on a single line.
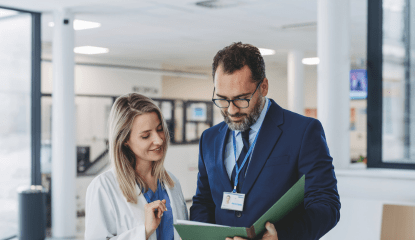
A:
[(182, 35)]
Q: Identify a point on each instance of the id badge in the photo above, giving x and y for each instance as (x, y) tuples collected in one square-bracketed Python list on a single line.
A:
[(233, 201)]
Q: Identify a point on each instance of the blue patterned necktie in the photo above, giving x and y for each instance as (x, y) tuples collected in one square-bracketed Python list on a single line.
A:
[(241, 177)]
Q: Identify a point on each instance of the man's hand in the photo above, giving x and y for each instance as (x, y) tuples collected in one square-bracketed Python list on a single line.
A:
[(270, 234)]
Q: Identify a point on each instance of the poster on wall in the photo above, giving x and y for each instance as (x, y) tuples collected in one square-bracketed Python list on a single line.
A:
[(197, 112), (146, 90), (167, 109), (352, 119), (191, 132), (311, 112), (358, 84)]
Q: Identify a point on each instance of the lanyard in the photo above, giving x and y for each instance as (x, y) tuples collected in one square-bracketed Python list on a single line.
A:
[(237, 169)]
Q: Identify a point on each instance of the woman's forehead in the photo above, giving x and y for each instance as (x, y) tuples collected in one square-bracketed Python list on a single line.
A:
[(146, 122)]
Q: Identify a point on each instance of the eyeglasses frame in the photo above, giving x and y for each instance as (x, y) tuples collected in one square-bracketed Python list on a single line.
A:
[(229, 101)]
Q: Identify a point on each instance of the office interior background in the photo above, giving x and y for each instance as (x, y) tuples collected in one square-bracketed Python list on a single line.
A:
[(349, 63)]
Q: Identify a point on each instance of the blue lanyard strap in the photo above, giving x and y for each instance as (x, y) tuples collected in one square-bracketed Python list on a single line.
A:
[(237, 169)]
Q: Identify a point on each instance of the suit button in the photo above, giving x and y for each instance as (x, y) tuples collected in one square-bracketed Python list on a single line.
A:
[(238, 214)]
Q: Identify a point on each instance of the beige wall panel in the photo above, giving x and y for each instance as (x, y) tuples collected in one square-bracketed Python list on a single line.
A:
[(186, 88)]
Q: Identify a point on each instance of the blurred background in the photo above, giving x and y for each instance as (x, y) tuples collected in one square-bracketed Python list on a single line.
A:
[(349, 63)]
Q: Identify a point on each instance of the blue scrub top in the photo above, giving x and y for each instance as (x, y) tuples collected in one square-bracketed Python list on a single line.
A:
[(165, 230)]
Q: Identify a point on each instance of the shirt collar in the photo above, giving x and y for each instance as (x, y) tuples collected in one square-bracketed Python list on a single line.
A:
[(255, 127), (150, 194)]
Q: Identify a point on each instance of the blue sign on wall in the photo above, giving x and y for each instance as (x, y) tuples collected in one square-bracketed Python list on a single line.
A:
[(358, 84)]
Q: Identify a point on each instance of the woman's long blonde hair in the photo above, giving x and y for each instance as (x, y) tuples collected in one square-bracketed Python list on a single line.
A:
[(122, 115)]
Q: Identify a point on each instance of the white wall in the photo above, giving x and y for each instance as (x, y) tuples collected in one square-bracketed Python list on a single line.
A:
[(104, 80), (182, 161), (278, 87), (363, 194)]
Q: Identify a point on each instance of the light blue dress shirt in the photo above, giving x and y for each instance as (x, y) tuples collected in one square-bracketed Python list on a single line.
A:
[(229, 154)]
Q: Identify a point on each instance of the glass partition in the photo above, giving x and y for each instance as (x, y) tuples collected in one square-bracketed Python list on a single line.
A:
[(398, 127), (15, 113)]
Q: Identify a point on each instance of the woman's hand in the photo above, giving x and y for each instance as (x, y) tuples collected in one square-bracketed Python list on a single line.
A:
[(152, 218)]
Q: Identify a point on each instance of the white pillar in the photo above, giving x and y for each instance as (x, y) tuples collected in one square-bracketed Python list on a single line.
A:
[(333, 104), (295, 75), (63, 128)]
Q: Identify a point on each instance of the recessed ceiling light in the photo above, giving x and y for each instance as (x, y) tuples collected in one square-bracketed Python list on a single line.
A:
[(299, 25), (265, 51), (81, 24), (90, 50), (311, 61), (218, 3), (7, 13)]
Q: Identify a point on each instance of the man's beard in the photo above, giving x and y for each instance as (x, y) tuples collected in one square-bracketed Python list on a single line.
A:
[(247, 121)]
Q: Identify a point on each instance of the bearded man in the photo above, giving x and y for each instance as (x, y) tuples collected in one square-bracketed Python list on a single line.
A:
[(259, 152)]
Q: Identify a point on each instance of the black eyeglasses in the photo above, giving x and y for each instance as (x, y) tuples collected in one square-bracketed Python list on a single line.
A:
[(239, 103)]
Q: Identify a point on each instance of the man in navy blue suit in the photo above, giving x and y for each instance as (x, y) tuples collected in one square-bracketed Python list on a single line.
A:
[(258, 153)]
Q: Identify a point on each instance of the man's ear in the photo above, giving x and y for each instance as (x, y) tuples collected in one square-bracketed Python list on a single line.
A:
[(264, 87)]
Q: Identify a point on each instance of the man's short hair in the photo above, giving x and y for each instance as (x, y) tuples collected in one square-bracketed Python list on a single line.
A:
[(236, 56)]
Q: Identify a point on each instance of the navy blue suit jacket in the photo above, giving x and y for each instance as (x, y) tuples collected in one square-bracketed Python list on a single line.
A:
[(289, 145)]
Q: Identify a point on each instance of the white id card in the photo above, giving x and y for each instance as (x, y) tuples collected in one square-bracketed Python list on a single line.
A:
[(233, 201)]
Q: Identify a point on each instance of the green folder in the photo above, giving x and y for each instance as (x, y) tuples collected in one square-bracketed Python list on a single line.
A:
[(290, 200)]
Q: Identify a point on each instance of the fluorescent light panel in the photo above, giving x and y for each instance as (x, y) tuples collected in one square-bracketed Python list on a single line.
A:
[(90, 50), (81, 24), (7, 13), (311, 61), (265, 51)]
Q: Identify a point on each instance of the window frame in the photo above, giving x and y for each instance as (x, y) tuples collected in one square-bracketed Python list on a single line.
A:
[(375, 86)]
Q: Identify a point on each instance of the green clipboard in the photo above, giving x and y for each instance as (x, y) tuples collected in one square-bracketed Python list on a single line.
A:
[(290, 200)]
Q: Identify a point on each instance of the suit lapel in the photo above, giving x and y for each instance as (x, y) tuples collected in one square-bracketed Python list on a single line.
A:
[(268, 137), (220, 144)]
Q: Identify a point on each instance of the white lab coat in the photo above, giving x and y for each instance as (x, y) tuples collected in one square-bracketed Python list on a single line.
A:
[(108, 215)]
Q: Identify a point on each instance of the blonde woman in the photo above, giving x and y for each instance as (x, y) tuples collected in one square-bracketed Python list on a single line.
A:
[(138, 198)]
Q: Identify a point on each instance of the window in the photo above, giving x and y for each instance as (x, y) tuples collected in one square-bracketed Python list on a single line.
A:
[(19, 110), (391, 87)]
